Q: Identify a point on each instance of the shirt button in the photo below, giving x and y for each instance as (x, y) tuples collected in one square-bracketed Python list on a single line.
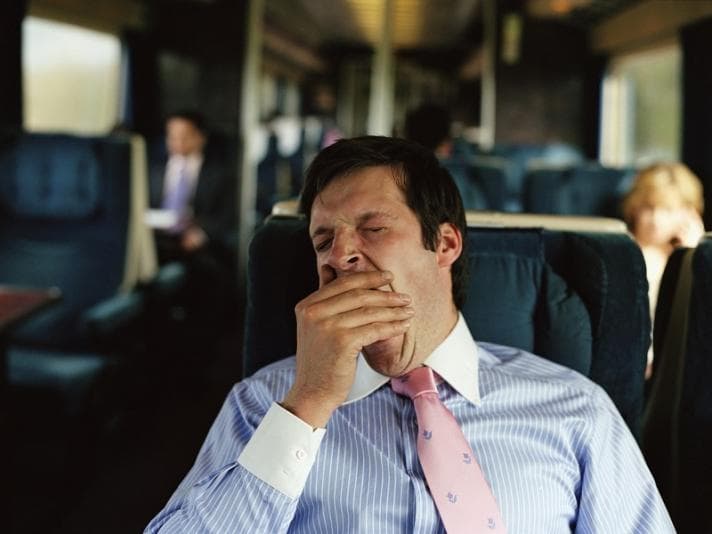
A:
[(300, 454)]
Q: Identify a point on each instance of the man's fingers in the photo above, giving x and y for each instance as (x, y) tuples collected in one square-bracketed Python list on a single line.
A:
[(371, 333), (360, 299), (354, 299), (377, 314), (342, 284)]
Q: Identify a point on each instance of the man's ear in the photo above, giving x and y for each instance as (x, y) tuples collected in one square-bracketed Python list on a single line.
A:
[(449, 244)]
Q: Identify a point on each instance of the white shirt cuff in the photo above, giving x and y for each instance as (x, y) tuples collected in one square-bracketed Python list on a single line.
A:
[(282, 451)]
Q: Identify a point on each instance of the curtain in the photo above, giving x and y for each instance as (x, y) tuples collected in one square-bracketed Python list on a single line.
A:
[(11, 17), (595, 70), (140, 106), (696, 40)]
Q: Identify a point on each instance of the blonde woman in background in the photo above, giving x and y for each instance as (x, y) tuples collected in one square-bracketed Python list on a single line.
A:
[(663, 210)]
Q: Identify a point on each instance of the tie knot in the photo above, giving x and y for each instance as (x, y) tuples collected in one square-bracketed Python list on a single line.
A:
[(415, 383)]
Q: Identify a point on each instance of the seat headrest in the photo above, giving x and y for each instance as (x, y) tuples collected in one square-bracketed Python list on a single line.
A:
[(50, 176), (514, 298)]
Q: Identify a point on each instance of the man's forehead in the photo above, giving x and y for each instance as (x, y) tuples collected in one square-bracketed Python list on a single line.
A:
[(373, 188), (183, 125), (374, 178)]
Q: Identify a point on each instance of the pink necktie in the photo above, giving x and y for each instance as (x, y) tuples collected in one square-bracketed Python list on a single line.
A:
[(459, 489)]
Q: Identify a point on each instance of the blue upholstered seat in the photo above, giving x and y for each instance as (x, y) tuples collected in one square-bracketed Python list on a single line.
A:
[(496, 178), (473, 196), (695, 424), (586, 189), (65, 209), (578, 299), (521, 156), (677, 435)]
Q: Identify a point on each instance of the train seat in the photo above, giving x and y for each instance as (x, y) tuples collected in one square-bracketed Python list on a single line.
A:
[(70, 217), (587, 189), (677, 422), (473, 196), (578, 298), (521, 156), (495, 178)]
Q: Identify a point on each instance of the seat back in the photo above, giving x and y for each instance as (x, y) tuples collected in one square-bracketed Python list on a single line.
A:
[(695, 423), (495, 177), (677, 431), (521, 157), (588, 189), (473, 196), (579, 299), (65, 206)]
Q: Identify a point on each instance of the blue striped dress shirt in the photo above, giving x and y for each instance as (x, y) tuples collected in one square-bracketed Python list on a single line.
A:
[(557, 455)]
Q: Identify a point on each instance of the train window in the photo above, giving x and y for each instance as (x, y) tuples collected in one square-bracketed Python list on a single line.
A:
[(641, 108), (70, 77)]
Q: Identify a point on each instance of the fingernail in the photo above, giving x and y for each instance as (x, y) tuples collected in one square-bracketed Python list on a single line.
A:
[(409, 310), (387, 275), (403, 297)]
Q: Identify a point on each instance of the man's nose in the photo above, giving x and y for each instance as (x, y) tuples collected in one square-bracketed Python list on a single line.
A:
[(345, 254)]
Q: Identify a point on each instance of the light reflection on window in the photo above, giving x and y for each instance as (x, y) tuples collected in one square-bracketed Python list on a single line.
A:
[(642, 108), (70, 77)]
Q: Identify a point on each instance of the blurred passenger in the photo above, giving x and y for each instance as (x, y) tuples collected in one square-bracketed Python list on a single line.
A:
[(429, 126), (192, 191), (279, 152), (663, 210), (194, 185), (320, 126)]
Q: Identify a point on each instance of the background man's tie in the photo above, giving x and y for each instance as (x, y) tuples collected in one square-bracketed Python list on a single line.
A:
[(177, 198), (459, 489)]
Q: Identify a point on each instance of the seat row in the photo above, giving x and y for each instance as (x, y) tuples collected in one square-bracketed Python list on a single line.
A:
[(549, 179), (585, 188)]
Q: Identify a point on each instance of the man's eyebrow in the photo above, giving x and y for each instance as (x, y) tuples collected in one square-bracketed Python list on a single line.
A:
[(374, 214), (320, 230)]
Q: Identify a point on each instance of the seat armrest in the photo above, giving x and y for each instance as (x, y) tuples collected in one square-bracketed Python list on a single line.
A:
[(123, 318), (109, 317), (168, 281)]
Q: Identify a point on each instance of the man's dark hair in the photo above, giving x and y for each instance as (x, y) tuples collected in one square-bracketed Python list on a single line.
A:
[(192, 116), (428, 124), (429, 189)]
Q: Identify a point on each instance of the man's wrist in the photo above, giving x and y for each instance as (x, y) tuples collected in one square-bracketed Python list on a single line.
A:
[(314, 411)]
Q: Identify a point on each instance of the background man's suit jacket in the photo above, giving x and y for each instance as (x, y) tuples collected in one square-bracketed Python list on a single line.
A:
[(214, 201)]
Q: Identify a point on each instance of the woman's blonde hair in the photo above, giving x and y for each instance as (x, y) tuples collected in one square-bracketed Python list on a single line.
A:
[(661, 184)]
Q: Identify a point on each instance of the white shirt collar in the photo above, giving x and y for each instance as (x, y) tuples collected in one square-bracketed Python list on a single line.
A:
[(456, 360), (192, 160)]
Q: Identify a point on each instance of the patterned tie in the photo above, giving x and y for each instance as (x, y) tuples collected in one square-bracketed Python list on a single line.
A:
[(459, 489)]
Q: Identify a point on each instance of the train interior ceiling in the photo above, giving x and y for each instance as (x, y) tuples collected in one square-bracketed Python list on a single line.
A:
[(110, 389)]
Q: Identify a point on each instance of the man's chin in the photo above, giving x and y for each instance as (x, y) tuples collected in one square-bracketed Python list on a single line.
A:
[(387, 356)]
